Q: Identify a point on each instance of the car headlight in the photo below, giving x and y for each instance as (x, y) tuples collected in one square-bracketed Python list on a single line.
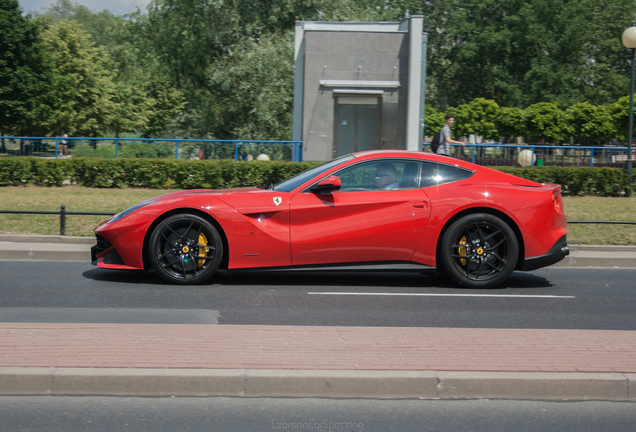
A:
[(129, 210)]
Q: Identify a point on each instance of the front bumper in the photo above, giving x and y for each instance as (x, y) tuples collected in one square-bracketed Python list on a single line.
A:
[(104, 255), (557, 252), (102, 246)]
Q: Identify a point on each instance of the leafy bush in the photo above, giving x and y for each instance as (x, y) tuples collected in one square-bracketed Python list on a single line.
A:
[(14, 171), (576, 181), (49, 172)]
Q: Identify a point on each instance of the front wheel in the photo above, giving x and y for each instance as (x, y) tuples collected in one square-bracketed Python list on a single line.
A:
[(479, 251), (185, 249)]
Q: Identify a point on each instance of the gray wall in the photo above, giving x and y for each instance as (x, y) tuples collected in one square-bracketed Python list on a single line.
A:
[(352, 56)]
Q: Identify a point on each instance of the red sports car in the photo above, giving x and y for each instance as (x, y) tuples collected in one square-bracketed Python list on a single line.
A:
[(376, 210)]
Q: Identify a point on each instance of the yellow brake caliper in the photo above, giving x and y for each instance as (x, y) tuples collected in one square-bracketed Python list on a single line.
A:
[(463, 251), (203, 251)]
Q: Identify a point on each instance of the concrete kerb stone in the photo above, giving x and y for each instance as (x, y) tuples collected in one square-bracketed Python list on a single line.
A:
[(148, 382), (342, 384), (26, 381), (631, 386), (535, 385), (44, 252), (46, 239), (318, 384)]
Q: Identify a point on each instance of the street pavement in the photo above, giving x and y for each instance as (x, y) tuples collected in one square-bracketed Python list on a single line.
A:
[(312, 361)]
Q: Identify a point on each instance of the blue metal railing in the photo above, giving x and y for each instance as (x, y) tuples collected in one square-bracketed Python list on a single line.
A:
[(481, 154), (108, 148), (515, 155)]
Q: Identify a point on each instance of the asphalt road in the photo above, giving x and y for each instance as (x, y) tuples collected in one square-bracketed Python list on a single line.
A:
[(552, 298), (92, 414)]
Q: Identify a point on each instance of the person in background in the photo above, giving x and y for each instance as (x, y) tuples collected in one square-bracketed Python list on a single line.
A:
[(64, 143), (446, 140)]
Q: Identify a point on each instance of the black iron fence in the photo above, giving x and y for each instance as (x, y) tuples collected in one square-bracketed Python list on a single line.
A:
[(63, 213)]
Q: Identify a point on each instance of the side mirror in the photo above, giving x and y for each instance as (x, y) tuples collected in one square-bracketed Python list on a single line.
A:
[(329, 184)]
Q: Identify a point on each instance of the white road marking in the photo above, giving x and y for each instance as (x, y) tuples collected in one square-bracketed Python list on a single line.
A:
[(439, 295)]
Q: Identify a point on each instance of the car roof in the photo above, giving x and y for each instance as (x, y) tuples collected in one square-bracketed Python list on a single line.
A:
[(413, 154), (495, 175)]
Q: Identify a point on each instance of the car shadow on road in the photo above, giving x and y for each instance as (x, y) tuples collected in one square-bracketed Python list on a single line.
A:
[(372, 279), (518, 280), (122, 276)]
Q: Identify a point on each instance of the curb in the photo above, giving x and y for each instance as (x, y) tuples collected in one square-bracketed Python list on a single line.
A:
[(46, 239), (49, 248), (598, 256), (317, 384)]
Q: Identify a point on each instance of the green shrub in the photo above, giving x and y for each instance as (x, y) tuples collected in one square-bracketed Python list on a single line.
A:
[(101, 173), (50, 172), (576, 181), (14, 171)]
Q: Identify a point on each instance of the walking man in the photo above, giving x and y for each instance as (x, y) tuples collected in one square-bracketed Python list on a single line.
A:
[(445, 138)]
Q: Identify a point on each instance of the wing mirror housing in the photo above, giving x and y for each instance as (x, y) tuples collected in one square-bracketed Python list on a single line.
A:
[(326, 185)]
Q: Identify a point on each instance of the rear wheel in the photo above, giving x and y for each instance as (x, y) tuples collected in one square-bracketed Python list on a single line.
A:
[(479, 251), (185, 249)]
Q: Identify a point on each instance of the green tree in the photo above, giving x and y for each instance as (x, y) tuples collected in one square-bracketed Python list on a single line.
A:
[(589, 122), (131, 109), (252, 87), (511, 122), (619, 112), (83, 86), (24, 78), (520, 52), (478, 118), (98, 24), (545, 121), (433, 120), (166, 104)]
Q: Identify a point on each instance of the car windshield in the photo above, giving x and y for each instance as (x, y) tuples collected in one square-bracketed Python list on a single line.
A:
[(294, 182)]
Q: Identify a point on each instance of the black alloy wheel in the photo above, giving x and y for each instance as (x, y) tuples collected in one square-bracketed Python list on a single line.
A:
[(185, 249), (479, 251)]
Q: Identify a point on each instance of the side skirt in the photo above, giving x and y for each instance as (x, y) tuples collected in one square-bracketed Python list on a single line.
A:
[(353, 267)]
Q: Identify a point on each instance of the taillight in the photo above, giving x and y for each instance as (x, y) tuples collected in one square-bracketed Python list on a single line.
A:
[(556, 200)]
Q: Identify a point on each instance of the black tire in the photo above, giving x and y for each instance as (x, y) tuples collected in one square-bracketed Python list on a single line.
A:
[(185, 249), (479, 251)]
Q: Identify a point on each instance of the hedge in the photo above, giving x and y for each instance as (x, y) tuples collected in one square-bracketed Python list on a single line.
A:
[(217, 174), (577, 181), (145, 173)]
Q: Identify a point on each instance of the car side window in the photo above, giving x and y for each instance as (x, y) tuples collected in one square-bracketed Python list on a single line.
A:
[(434, 174), (387, 174)]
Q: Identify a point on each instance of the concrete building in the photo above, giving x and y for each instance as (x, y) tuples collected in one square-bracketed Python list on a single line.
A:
[(359, 86)]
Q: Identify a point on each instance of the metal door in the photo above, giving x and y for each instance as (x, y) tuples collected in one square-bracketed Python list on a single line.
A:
[(357, 128)]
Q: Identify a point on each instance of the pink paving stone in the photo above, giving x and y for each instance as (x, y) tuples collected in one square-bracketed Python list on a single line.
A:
[(289, 347)]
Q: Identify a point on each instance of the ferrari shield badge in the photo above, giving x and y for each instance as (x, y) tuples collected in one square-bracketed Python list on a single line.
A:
[(277, 200)]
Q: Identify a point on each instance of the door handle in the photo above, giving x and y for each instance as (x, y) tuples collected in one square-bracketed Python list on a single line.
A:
[(419, 204)]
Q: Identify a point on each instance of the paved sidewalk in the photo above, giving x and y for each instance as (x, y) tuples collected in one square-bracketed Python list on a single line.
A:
[(299, 361), (315, 347), (295, 361)]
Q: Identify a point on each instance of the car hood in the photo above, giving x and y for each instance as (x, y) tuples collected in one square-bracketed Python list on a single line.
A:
[(246, 200), (215, 192)]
